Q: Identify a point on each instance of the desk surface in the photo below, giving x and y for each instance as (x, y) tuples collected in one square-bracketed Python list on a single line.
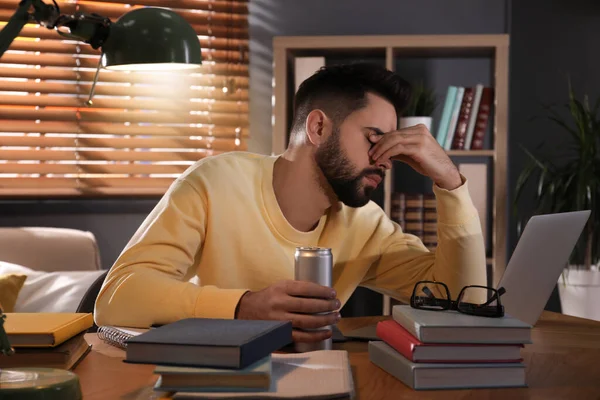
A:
[(562, 363)]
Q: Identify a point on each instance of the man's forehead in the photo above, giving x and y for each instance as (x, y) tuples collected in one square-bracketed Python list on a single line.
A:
[(379, 113)]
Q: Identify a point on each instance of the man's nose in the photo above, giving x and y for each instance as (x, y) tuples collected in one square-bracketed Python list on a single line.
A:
[(384, 164)]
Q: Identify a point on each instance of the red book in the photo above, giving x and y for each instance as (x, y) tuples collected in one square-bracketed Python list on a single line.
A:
[(414, 350)]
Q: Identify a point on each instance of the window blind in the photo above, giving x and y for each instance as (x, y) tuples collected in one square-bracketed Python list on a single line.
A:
[(142, 130)]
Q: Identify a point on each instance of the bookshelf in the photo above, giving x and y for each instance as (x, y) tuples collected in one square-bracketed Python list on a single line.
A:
[(390, 48)]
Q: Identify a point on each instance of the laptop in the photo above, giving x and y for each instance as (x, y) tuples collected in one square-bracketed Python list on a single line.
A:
[(535, 266)]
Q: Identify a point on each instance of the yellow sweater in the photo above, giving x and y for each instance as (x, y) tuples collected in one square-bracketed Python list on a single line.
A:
[(220, 221)]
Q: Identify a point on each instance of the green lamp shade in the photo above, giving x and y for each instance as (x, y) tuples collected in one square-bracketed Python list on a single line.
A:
[(151, 38)]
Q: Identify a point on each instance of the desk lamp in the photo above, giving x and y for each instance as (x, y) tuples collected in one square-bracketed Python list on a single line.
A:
[(146, 39)]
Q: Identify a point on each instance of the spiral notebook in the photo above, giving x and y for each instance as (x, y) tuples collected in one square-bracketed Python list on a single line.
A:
[(117, 336)]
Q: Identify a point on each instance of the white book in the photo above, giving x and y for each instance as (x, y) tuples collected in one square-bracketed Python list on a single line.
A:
[(460, 92), (454, 327)]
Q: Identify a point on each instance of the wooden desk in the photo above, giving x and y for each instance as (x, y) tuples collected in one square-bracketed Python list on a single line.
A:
[(562, 363)]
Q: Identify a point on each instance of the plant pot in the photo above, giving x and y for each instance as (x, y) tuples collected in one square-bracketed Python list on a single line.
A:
[(406, 122), (580, 293)]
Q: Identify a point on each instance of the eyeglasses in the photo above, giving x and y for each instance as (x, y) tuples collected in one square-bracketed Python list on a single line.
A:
[(476, 300)]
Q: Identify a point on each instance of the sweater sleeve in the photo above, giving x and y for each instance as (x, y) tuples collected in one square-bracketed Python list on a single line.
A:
[(459, 258), (148, 284)]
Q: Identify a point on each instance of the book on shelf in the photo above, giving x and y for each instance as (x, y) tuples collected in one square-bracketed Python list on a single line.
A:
[(401, 340), (454, 327), (416, 213), (207, 342), (422, 376), (465, 116)]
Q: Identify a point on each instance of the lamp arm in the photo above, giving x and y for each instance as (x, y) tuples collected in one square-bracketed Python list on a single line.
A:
[(89, 28)]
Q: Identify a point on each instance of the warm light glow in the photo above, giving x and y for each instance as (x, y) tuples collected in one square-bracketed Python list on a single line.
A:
[(153, 67)]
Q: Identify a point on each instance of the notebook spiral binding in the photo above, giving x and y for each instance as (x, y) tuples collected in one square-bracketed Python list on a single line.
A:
[(114, 336)]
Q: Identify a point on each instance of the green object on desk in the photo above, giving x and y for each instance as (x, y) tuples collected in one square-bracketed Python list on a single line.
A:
[(39, 384), (34, 383)]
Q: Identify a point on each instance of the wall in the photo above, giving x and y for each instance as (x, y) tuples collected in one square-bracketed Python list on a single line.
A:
[(548, 40)]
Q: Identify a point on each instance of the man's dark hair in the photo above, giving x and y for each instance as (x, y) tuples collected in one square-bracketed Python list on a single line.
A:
[(340, 90)]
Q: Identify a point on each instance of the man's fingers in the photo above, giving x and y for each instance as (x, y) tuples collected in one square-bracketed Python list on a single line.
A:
[(309, 289), (393, 140), (310, 306), (314, 336), (306, 321)]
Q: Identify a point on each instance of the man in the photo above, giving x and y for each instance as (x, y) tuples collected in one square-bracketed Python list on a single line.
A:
[(234, 220)]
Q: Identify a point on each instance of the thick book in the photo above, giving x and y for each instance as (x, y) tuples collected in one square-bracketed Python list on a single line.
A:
[(45, 329), (323, 374), (255, 377), (64, 356), (453, 327), (207, 342), (427, 376), (413, 349)]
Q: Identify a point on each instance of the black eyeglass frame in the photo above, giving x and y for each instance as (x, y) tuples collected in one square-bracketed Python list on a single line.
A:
[(480, 310)]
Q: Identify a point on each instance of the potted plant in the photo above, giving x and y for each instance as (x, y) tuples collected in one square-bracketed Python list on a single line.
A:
[(569, 180), (422, 104)]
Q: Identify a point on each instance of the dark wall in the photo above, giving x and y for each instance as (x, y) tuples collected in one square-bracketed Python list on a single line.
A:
[(549, 39)]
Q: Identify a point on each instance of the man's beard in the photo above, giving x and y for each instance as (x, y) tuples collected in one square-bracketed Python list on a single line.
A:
[(340, 174)]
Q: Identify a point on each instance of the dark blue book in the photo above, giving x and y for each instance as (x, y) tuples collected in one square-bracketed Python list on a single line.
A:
[(205, 342)]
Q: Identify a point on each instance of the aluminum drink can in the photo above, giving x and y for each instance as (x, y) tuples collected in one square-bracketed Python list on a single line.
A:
[(314, 264)]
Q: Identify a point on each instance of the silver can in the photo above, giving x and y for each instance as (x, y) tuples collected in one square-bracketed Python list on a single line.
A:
[(314, 264)]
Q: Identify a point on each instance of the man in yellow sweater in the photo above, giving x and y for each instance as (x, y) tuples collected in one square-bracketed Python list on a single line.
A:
[(234, 220)]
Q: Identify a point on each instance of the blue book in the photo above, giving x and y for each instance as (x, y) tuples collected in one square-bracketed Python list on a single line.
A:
[(446, 114), (208, 342)]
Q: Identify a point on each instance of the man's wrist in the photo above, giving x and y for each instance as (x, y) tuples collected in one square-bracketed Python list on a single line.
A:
[(239, 304), (452, 181)]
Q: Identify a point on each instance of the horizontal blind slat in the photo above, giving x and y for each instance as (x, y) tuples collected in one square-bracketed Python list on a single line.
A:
[(68, 74), (155, 91), (233, 50), (69, 169), (85, 182), (236, 7), (62, 60), (174, 142), (102, 155), (113, 11), (133, 117), (56, 47), (108, 128), (129, 104)]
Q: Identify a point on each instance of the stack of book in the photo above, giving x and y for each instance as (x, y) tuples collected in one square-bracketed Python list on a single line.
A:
[(46, 340), (448, 350), (214, 358), (211, 355)]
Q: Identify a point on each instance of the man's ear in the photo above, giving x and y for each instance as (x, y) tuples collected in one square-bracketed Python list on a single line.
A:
[(318, 127)]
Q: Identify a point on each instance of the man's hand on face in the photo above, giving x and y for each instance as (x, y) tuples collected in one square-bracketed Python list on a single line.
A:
[(418, 148), (294, 301)]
